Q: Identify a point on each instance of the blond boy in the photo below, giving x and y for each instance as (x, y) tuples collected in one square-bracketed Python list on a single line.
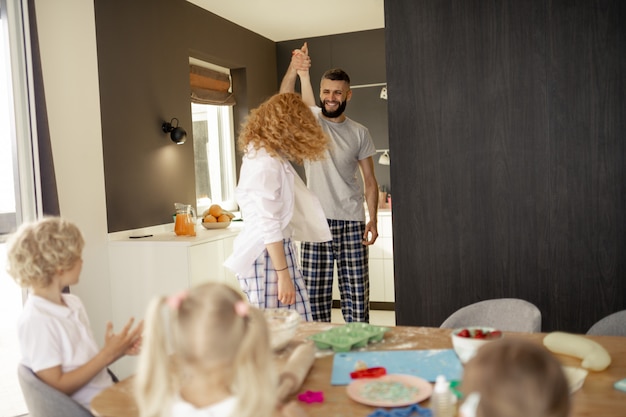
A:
[(55, 336)]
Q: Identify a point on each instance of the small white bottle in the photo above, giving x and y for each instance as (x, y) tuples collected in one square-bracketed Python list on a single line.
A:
[(443, 401)]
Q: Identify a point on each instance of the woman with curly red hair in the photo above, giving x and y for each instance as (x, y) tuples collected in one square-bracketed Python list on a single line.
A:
[(276, 206)]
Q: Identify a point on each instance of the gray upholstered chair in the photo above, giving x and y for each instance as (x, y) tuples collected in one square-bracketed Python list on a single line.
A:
[(612, 325), (44, 401), (508, 314)]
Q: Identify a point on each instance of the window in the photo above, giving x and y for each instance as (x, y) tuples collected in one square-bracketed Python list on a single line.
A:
[(213, 146), (16, 197), (214, 151), (17, 152), (7, 182)]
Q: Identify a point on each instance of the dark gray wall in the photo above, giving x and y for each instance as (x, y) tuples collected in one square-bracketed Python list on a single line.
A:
[(507, 127), (143, 55), (362, 56)]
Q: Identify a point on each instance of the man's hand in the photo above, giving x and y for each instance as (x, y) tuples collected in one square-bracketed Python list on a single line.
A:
[(371, 233), (300, 60), (299, 65)]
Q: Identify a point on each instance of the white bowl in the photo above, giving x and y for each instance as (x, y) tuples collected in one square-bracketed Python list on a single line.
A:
[(466, 347), (282, 324), (216, 225)]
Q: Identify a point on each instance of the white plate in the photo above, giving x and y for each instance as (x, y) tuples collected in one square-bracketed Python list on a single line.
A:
[(217, 225), (393, 390)]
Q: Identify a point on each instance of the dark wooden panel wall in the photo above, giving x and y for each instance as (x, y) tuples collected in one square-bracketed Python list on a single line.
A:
[(507, 126), (143, 62)]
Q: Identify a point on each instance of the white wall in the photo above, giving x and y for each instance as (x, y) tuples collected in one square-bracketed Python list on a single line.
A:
[(67, 37)]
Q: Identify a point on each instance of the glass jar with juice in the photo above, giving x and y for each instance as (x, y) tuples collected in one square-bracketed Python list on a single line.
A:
[(185, 223)]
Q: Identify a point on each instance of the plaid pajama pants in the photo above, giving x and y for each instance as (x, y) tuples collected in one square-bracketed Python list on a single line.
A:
[(351, 255), (261, 287)]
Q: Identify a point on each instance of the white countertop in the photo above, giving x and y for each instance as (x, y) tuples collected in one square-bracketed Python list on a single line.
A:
[(164, 234)]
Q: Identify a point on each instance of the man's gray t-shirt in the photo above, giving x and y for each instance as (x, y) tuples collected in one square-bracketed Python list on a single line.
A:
[(337, 180)]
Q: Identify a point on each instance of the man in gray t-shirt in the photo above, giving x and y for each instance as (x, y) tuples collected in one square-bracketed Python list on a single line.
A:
[(339, 182)]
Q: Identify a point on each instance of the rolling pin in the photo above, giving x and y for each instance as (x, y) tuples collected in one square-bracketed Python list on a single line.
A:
[(296, 369)]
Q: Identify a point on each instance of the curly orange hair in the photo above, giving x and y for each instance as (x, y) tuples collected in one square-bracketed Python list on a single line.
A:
[(285, 127)]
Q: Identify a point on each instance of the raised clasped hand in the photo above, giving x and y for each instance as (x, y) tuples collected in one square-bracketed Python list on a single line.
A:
[(300, 59)]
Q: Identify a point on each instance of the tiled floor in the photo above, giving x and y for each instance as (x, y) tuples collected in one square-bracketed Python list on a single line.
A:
[(377, 317)]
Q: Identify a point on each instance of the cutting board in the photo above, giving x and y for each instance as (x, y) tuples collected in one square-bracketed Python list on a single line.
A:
[(426, 364)]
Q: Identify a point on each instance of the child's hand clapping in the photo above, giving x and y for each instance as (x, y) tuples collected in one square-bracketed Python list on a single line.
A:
[(126, 342)]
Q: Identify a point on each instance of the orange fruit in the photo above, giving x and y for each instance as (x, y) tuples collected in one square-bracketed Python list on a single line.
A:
[(215, 210), (223, 218), (209, 219)]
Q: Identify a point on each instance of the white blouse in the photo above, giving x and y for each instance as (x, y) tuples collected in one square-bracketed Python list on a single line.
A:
[(266, 194)]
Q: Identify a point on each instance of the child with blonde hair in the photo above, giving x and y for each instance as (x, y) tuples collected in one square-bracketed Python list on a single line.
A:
[(514, 378), (207, 353), (55, 337)]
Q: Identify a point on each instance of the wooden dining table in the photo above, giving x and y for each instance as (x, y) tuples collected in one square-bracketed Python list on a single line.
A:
[(596, 398)]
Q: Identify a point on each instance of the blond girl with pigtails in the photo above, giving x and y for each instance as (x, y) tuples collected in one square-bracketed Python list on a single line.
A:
[(207, 353)]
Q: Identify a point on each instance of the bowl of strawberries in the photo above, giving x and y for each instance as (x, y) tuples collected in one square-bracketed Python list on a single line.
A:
[(467, 340)]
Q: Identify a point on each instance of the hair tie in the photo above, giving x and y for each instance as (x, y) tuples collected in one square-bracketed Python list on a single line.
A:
[(241, 308), (175, 300)]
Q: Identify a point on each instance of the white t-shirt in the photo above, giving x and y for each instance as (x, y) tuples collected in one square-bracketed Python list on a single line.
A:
[(225, 408), (52, 335), (337, 180)]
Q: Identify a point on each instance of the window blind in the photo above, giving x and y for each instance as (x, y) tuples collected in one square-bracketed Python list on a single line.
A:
[(210, 87)]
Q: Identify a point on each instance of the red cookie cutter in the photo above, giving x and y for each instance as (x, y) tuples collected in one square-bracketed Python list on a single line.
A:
[(369, 373)]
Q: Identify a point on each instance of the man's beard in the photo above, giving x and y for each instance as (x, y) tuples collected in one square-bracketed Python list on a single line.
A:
[(336, 113)]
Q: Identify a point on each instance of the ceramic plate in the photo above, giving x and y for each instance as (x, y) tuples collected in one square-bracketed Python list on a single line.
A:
[(218, 225), (393, 390)]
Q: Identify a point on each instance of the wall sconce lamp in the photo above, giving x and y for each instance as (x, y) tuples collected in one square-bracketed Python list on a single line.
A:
[(177, 134), (384, 158)]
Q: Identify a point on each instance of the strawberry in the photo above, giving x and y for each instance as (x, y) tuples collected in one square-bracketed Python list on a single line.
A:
[(464, 333), (479, 334)]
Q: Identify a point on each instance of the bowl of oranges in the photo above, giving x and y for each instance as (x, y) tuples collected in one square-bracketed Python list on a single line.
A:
[(215, 217)]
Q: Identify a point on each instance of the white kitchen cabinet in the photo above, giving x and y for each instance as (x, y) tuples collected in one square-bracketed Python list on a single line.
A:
[(163, 264), (385, 257)]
